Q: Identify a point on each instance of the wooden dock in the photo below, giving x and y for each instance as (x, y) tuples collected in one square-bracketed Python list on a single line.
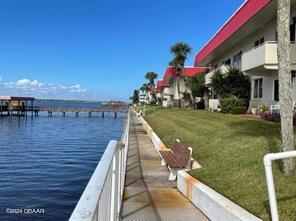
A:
[(77, 110), (34, 111)]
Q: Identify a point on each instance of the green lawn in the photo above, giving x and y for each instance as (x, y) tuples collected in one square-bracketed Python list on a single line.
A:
[(231, 148)]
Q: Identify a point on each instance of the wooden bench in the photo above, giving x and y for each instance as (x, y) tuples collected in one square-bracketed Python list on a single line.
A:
[(177, 158)]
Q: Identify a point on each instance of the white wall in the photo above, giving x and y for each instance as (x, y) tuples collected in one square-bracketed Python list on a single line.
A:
[(181, 86)]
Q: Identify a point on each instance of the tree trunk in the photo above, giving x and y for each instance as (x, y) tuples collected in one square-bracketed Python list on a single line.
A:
[(285, 84), (206, 98), (192, 99), (178, 90)]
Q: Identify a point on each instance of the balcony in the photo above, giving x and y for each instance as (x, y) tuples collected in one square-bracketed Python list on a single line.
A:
[(264, 58)]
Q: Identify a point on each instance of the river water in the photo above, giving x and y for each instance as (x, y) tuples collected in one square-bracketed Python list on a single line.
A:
[(46, 162)]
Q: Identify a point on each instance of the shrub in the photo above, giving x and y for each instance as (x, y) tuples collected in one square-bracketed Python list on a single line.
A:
[(200, 105), (239, 110), (227, 104)]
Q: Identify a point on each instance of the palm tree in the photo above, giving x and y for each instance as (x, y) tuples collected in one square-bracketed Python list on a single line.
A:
[(180, 51), (146, 88), (143, 89), (285, 84), (151, 76)]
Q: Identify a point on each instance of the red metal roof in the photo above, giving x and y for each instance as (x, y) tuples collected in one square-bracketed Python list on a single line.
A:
[(240, 17), (155, 89), (188, 72), (161, 83)]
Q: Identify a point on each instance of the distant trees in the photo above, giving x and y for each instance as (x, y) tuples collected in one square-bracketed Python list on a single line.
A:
[(146, 88), (180, 52), (135, 97), (151, 76)]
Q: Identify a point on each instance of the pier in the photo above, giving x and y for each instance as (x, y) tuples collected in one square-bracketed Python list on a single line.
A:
[(76, 110), (24, 106)]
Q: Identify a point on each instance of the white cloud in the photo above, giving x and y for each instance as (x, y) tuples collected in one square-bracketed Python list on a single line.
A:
[(24, 87), (35, 88), (23, 82)]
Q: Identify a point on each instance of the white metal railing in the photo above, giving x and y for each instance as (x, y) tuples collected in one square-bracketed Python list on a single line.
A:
[(268, 158), (102, 197), (260, 45)]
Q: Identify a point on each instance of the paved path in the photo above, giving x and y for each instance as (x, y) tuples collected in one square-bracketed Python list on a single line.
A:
[(148, 194)]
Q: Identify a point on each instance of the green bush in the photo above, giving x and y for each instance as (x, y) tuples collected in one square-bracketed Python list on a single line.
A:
[(239, 110), (233, 105), (227, 104)]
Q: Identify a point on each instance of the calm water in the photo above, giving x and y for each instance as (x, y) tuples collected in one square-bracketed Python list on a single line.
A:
[(46, 162)]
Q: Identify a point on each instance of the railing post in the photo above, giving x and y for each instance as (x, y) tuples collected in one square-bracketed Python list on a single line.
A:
[(267, 160), (114, 185)]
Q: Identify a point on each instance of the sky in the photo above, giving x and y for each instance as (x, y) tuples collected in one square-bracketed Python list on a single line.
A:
[(98, 49)]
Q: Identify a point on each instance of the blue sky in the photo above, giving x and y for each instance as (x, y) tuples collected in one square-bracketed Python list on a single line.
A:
[(101, 49)]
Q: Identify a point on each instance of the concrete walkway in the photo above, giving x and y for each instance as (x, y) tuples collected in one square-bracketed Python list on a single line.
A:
[(148, 194)]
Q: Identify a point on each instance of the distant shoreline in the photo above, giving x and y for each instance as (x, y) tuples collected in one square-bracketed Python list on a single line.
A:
[(78, 100)]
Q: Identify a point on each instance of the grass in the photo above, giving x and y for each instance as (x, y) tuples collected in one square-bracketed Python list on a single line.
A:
[(231, 148)]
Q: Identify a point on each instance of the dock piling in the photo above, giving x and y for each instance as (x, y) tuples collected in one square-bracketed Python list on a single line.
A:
[(89, 114), (103, 114), (64, 113), (76, 114)]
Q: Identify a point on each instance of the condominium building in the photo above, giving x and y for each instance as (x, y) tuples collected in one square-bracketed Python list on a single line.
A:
[(165, 93), (170, 77), (248, 41)]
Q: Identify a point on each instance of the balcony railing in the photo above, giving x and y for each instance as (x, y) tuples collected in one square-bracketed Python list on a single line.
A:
[(265, 57), (102, 197)]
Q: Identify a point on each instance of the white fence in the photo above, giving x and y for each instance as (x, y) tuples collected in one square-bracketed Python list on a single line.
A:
[(102, 197)]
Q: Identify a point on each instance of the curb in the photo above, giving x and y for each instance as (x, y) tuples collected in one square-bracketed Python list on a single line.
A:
[(215, 206)]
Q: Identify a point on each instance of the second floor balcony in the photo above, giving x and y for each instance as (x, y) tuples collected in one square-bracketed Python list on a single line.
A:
[(263, 58)]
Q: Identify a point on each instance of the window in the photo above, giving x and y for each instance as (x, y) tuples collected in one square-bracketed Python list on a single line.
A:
[(227, 62), (237, 60), (276, 90), (292, 32), (259, 42), (213, 94), (258, 88)]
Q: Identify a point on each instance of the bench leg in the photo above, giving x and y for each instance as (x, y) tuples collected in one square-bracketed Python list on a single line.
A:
[(163, 163), (173, 174)]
